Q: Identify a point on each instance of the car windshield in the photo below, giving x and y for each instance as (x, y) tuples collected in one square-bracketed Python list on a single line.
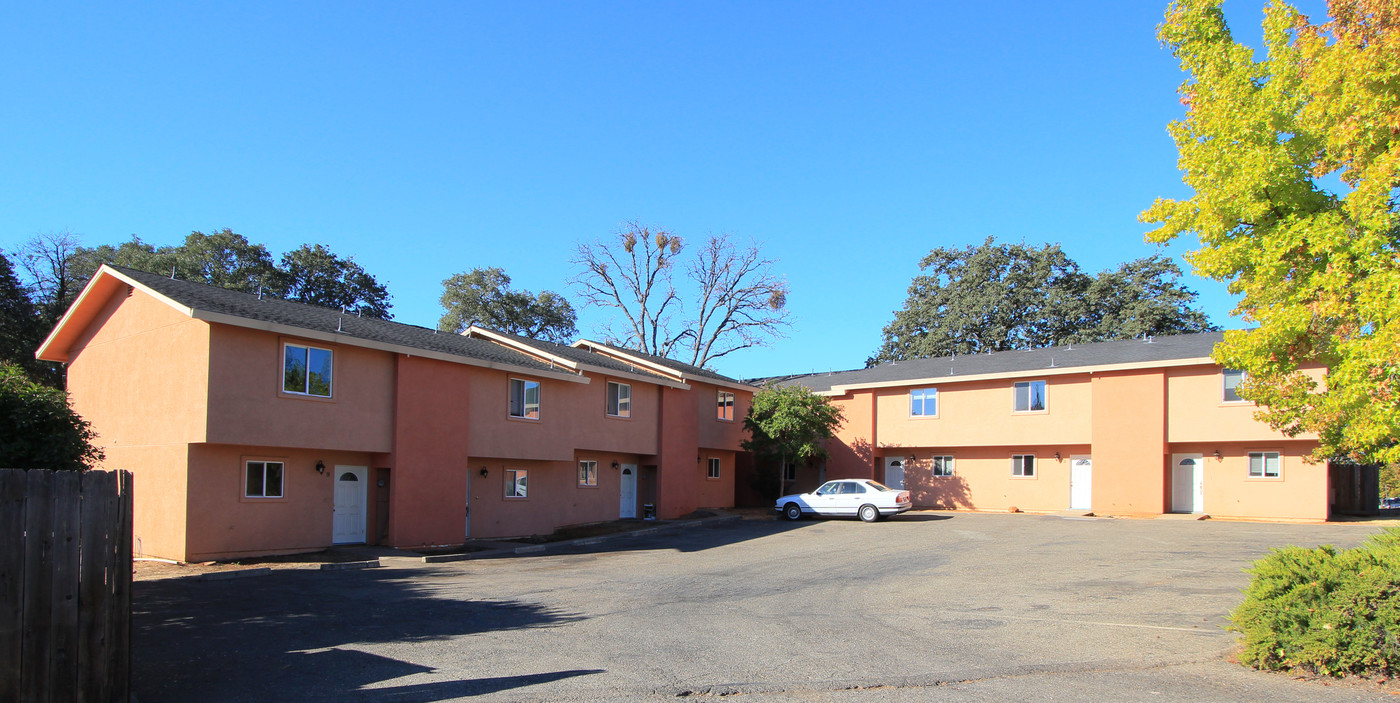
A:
[(877, 485)]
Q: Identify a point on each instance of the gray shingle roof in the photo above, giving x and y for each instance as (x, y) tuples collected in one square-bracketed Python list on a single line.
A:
[(201, 296), (680, 367), (1128, 351), (582, 356)]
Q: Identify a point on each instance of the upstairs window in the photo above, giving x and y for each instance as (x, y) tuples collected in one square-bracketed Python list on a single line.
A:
[(713, 471), (724, 406), (1263, 465), (262, 479), (923, 402), (1023, 465), (1030, 396), (619, 399), (525, 399), (943, 466), (306, 370), (1232, 379)]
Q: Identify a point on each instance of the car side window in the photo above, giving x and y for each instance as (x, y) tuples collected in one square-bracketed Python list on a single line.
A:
[(855, 488), (828, 489)]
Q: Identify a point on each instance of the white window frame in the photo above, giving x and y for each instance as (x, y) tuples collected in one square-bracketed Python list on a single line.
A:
[(517, 484), (619, 401), (281, 478), (306, 350), (942, 466), (587, 473), (724, 406), (922, 397), (524, 394), (1020, 463), (1264, 464), (1030, 396), (713, 468), (1226, 390)]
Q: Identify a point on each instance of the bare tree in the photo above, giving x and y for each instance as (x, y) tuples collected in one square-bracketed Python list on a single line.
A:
[(741, 303), (734, 300), (48, 260)]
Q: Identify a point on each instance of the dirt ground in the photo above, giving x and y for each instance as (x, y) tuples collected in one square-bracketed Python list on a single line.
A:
[(146, 570)]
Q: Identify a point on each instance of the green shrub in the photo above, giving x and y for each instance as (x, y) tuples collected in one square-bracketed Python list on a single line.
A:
[(1326, 611)]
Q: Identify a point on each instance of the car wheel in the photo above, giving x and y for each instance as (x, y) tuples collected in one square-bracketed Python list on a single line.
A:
[(792, 511), (868, 513)]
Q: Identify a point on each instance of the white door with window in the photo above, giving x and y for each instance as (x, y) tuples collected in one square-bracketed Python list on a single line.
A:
[(351, 494), (468, 532), (894, 472), (1081, 483), (1188, 480), (627, 507)]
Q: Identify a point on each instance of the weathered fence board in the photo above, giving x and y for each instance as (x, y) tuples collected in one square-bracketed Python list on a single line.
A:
[(65, 586)]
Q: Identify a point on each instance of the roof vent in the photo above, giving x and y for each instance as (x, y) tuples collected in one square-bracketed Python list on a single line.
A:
[(1148, 339), (338, 320)]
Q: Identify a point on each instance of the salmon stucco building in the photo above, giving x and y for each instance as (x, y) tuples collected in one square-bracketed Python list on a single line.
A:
[(1134, 427), (255, 425)]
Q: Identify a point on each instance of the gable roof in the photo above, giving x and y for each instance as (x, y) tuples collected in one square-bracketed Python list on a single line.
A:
[(214, 304), (1175, 350), (576, 357), (679, 369)]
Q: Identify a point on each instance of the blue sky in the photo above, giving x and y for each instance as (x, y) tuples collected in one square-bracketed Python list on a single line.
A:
[(429, 138)]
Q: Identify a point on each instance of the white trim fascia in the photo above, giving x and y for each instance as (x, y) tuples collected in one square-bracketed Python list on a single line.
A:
[(844, 388), (597, 348), (632, 376), (347, 340), (77, 302), (519, 346)]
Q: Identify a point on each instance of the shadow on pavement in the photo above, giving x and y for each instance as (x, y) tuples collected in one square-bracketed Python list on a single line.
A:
[(291, 636)]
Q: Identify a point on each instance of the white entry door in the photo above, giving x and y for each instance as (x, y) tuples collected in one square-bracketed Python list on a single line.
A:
[(468, 533), (627, 507), (894, 472), (1081, 483), (1188, 479), (351, 492)]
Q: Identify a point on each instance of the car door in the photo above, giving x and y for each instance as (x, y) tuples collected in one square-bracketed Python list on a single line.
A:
[(824, 500), (851, 498)]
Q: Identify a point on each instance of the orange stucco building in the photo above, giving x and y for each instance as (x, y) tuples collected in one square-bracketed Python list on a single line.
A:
[(1135, 427), (258, 426)]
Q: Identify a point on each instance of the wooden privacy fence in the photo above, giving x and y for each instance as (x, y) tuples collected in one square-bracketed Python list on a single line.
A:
[(65, 585)]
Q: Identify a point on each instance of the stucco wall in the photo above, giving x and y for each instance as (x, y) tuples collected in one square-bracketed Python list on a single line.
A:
[(853, 449), (713, 432), (1129, 442), (159, 496), (138, 374), (571, 415), (1196, 411), (247, 405), (677, 457), (430, 458), (981, 413), (1299, 493), (554, 496), (982, 478), (224, 524), (715, 492)]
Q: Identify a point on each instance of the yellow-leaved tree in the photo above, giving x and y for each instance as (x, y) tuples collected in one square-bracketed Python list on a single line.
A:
[(1294, 160)]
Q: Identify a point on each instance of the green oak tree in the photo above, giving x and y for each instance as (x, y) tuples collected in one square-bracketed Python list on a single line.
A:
[(316, 275), (1293, 160), (39, 428), (787, 424), (484, 296), (999, 297)]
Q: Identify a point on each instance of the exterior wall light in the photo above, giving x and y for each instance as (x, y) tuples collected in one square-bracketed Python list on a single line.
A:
[(484, 472), (615, 465), (320, 466), (1217, 455)]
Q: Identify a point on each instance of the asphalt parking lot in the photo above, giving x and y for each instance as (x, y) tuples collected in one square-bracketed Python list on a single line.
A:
[(954, 606)]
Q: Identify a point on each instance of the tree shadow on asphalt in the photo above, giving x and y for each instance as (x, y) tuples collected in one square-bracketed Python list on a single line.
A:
[(290, 636)]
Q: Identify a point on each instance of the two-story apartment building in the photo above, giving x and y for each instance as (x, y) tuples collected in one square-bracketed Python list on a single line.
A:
[(254, 425), (1145, 426)]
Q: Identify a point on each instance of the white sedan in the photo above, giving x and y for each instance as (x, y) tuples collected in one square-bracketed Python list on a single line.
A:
[(859, 497)]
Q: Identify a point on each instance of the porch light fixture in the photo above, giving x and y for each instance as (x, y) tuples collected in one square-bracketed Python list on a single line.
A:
[(615, 465), (1057, 456), (320, 466), (484, 472), (1217, 455)]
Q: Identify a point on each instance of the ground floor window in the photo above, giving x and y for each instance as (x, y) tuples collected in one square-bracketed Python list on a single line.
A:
[(1263, 465), (789, 472), (262, 479), (943, 466), (1023, 465), (713, 471), (588, 473), (517, 480)]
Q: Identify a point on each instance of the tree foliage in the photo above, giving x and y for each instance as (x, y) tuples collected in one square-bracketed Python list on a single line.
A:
[(999, 297), (484, 296), (22, 329), (1294, 164), (788, 424), (728, 297), (38, 429), (316, 275)]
